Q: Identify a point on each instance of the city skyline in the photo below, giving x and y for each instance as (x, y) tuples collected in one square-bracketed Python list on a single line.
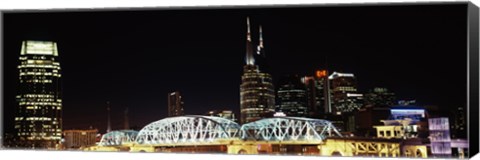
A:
[(209, 59)]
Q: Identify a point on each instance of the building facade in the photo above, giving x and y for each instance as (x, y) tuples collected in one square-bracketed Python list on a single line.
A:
[(292, 97), (257, 93), (440, 140), (345, 96), (175, 104), (74, 139), (38, 117), (380, 97), (318, 94), (459, 127)]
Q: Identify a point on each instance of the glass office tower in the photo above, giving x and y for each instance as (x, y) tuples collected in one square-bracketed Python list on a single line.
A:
[(38, 118)]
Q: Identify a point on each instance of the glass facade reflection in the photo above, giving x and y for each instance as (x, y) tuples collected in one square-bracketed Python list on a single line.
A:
[(292, 96)]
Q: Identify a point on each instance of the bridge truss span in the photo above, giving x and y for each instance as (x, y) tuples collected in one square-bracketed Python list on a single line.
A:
[(289, 129), (187, 129), (117, 138)]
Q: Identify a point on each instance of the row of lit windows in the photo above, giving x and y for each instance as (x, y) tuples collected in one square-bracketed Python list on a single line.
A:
[(254, 84), (34, 70), (38, 95), (290, 94), (255, 94), (293, 103), (31, 128), (56, 136), (250, 100), (33, 118), (255, 75), (37, 81), (291, 90), (40, 74), (36, 57), (53, 65), (248, 90), (39, 100), (345, 89), (253, 109), (36, 107), (41, 104), (39, 62)]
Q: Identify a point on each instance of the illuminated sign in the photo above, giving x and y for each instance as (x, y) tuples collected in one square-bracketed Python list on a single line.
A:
[(321, 73), (408, 112)]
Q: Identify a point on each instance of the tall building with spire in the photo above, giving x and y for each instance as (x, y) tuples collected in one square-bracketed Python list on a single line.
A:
[(257, 94), (260, 58), (38, 116)]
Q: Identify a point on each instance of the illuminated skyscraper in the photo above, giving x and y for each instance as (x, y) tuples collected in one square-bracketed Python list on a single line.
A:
[(257, 94), (292, 96), (175, 104), (318, 94), (344, 92), (38, 118)]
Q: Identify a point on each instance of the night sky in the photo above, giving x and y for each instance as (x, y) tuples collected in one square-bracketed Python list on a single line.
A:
[(134, 58)]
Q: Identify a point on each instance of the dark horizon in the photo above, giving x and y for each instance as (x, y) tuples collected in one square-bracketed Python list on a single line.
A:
[(135, 58)]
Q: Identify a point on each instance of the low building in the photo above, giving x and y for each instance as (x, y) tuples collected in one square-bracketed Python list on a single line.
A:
[(227, 114), (367, 117), (75, 139)]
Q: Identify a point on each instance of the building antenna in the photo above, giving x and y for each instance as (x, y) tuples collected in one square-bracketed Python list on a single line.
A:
[(326, 62), (126, 125), (109, 127), (261, 45), (249, 56)]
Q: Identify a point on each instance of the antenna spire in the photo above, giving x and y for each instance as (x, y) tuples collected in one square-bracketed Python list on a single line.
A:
[(249, 37), (126, 125), (249, 56), (261, 36), (109, 127)]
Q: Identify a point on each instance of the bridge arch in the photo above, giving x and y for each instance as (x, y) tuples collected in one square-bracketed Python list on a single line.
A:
[(117, 138), (289, 128), (184, 129)]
